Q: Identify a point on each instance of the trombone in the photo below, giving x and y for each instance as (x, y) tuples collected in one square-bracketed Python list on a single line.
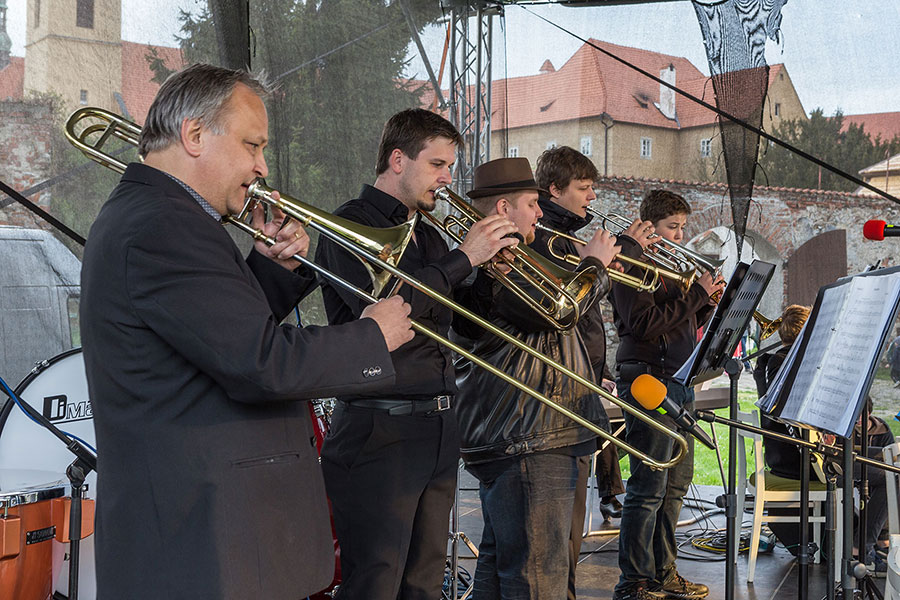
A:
[(650, 280), (562, 294), (386, 243), (342, 233)]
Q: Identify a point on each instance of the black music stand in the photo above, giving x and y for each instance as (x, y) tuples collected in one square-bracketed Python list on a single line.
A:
[(825, 379), (713, 355), (85, 462)]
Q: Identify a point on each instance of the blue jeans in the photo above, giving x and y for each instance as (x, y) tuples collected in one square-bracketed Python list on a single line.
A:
[(527, 512), (653, 499)]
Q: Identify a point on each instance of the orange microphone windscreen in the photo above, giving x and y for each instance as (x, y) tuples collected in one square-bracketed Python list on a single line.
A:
[(648, 391)]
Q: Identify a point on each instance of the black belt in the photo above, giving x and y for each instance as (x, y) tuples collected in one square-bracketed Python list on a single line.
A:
[(630, 371), (406, 407)]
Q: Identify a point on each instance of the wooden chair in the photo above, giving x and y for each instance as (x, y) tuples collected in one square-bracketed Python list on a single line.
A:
[(767, 488)]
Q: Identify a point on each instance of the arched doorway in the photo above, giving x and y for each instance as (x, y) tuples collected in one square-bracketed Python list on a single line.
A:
[(718, 242)]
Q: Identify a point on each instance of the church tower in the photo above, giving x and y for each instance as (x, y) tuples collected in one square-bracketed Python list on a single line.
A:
[(74, 48), (5, 41)]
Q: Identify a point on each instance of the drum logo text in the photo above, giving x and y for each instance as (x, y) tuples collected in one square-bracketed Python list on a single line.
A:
[(61, 409)]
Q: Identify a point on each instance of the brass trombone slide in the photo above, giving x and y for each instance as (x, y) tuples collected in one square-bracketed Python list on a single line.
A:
[(648, 283), (325, 226)]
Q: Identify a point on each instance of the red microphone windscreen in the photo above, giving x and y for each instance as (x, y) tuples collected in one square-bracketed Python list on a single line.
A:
[(648, 391), (874, 230)]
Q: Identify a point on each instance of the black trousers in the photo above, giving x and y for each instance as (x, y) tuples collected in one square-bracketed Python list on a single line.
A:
[(609, 476), (391, 481)]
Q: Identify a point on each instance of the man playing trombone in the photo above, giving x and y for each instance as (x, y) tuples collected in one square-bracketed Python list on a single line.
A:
[(390, 460), (569, 176), (523, 453), (657, 333), (207, 484)]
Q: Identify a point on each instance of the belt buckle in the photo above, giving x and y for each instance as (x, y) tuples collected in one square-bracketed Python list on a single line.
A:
[(443, 403)]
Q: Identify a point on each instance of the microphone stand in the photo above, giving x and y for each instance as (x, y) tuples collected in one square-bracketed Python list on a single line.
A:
[(85, 462), (734, 368), (850, 568)]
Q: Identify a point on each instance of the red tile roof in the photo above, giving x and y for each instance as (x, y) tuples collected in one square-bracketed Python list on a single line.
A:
[(138, 87), (591, 83), (886, 125), (12, 79)]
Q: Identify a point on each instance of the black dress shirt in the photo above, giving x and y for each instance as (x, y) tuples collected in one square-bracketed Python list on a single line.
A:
[(424, 367)]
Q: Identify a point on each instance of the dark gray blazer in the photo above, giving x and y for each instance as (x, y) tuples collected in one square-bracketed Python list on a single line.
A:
[(208, 480)]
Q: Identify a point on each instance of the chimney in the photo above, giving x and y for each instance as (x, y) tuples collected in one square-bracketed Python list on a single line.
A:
[(547, 67), (666, 95)]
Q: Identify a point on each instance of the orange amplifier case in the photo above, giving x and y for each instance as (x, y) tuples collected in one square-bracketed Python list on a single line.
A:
[(30, 519)]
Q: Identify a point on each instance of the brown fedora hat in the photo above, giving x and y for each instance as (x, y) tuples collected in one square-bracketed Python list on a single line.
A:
[(503, 175)]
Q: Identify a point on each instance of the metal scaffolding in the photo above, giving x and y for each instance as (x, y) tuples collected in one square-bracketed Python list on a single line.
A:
[(470, 83)]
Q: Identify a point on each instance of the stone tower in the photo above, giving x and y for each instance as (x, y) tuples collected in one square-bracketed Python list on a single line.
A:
[(74, 49), (5, 42)]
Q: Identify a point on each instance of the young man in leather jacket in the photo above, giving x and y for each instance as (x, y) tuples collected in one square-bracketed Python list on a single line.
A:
[(523, 453)]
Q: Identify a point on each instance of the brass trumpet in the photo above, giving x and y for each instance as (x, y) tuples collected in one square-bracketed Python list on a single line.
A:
[(343, 233), (650, 280), (675, 257)]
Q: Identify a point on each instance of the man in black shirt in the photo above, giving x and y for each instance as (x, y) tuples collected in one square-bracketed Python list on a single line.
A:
[(390, 460)]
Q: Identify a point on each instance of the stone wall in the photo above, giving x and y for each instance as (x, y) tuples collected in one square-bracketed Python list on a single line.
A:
[(25, 157), (780, 221)]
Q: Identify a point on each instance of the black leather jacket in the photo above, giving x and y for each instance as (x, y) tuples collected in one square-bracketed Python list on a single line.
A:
[(591, 322), (496, 420)]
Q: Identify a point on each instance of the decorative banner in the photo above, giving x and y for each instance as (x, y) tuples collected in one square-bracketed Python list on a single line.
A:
[(734, 33)]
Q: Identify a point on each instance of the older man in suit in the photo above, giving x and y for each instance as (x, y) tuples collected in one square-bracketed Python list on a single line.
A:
[(208, 483)]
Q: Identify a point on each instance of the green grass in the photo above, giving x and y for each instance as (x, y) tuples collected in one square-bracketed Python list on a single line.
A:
[(706, 464)]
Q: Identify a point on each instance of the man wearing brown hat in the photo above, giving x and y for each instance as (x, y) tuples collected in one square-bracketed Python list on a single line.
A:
[(523, 453)]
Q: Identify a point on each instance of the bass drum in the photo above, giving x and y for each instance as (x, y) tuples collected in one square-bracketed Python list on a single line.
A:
[(57, 388)]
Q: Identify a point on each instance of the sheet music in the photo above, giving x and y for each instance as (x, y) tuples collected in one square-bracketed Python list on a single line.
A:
[(843, 347), (767, 402)]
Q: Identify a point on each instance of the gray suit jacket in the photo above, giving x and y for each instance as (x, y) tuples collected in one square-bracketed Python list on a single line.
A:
[(208, 480)]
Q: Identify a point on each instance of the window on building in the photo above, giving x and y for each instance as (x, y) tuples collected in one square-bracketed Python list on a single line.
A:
[(513, 152), (83, 98), (551, 145), (84, 13), (586, 145), (37, 13), (777, 109), (646, 147), (705, 148)]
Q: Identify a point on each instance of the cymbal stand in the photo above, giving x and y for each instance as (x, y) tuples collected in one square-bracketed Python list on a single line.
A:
[(452, 592)]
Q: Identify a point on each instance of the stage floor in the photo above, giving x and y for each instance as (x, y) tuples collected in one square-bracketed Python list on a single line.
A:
[(598, 572)]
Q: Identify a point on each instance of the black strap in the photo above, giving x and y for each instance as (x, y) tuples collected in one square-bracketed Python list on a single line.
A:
[(41, 213)]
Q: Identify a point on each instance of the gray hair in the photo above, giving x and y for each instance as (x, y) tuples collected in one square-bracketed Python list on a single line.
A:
[(199, 91)]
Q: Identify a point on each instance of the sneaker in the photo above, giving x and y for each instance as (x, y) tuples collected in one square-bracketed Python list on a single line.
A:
[(677, 587), (876, 562), (611, 509), (636, 591)]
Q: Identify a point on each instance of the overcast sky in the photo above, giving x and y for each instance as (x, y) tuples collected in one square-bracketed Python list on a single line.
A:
[(839, 53)]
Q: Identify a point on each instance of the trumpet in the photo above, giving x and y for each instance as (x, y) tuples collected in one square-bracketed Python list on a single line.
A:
[(344, 233), (673, 256), (562, 294), (648, 282)]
